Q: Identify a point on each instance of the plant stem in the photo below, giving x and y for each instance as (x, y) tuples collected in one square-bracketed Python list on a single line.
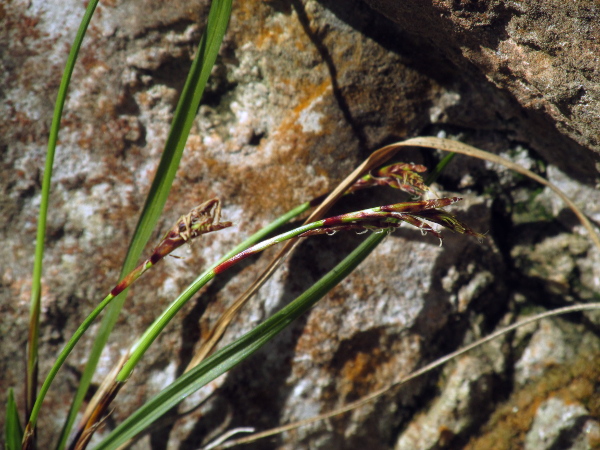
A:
[(226, 358), (36, 277), (183, 118)]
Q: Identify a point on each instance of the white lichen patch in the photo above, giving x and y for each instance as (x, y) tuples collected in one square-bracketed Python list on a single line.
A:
[(310, 119), (585, 197), (161, 378), (546, 349), (556, 418)]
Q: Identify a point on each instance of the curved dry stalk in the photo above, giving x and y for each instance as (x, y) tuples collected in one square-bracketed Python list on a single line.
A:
[(464, 149), (376, 159), (90, 420), (433, 365), (217, 442)]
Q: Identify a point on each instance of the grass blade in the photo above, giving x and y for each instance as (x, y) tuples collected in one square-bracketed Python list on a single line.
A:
[(36, 283), (185, 113), (228, 357), (435, 173), (13, 431), (94, 314), (351, 261)]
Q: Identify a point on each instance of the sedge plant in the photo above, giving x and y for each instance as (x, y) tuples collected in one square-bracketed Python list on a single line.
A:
[(184, 115), (204, 219), (200, 220)]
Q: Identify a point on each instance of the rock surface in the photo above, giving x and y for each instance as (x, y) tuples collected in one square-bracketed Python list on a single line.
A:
[(301, 93), (543, 55)]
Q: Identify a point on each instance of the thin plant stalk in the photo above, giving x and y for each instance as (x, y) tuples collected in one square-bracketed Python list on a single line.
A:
[(183, 118), (417, 373), (226, 358), (36, 278), (435, 173), (375, 160)]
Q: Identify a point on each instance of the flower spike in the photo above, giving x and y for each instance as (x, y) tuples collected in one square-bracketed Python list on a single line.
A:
[(200, 220), (401, 176)]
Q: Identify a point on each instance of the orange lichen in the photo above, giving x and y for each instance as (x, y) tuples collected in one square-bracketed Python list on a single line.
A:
[(357, 375), (311, 93), (572, 383)]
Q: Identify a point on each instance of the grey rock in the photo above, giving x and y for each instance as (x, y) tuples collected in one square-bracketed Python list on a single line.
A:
[(561, 425), (301, 93)]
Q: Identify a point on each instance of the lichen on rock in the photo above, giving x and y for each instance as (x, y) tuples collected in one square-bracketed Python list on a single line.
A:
[(301, 93)]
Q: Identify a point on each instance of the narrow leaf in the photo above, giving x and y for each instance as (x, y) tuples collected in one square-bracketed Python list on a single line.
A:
[(185, 113), (233, 354), (13, 431), (36, 278)]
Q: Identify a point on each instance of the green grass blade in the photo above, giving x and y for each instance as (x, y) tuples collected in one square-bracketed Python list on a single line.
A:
[(180, 127), (35, 306), (233, 354), (150, 335), (223, 360), (185, 114), (13, 431)]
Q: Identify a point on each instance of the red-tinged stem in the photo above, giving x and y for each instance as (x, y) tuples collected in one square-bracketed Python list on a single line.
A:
[(381, 218), (171, 242), (131, 277)]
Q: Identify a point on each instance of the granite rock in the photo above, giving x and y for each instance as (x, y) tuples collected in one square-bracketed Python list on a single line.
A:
[(301, 93)]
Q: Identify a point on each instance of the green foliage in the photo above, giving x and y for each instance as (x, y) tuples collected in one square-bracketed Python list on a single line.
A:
[(13, 431), (236, 352), (185, 113), (382, 219), (35, 307), (186, 110)]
